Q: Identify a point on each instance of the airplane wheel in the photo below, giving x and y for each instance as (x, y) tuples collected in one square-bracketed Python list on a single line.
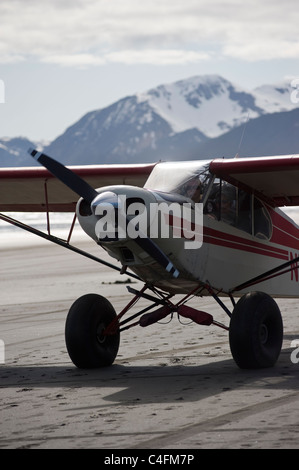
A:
[(87, 318), (256, 331)]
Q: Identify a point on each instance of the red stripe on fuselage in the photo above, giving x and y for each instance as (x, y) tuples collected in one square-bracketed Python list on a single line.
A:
[(216, 237), (285, 233)]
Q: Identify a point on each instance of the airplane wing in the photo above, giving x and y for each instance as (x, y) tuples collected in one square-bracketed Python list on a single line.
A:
[(35, 189), (273, 179)]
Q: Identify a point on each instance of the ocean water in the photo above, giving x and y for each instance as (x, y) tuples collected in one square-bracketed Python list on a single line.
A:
[(60, 224)]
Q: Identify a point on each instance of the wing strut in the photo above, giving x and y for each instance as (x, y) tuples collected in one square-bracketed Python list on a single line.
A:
[(63, 243), (278, 271)]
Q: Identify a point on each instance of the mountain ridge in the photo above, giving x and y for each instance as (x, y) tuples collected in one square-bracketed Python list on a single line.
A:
[(180, 120)]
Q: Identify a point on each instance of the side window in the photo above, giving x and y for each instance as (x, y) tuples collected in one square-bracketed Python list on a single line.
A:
[(244, 218), (221, 202), (262, 222), (228, 206), (253, 217), (238, 208)]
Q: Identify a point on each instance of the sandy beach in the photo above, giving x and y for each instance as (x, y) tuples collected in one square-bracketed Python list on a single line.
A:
[(173, 386)]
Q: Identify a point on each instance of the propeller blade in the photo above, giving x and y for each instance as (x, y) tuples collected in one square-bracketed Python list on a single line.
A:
[(155, 252), (66, 176)]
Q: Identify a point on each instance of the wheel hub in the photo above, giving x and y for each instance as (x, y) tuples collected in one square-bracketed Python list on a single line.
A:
[(100, 329), (264, 334)]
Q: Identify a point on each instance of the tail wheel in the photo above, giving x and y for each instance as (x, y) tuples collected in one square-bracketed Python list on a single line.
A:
[(256, 331), (87, 319)]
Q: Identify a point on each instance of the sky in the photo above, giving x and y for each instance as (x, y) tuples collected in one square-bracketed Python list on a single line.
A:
[(60, 59)]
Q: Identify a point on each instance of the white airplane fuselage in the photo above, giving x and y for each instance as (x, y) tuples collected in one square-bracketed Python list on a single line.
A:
[(227, 257)]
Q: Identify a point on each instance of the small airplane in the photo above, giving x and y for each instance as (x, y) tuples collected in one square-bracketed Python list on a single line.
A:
[(191, 228)]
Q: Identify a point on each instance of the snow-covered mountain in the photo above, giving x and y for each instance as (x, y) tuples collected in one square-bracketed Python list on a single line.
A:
[(208, 103), (275, 98), (171, 121), (168, 122)]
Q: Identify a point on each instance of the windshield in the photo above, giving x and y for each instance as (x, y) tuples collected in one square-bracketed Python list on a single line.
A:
[(186, 178)]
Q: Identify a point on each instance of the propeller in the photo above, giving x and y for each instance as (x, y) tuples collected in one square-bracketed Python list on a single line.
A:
[(88, 193), (66, 176)]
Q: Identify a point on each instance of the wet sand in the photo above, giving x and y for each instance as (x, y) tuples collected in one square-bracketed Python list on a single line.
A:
[(172, 386)]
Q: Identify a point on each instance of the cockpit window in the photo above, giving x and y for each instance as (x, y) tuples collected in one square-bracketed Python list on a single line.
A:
[(236, 207), (262, 221), (185, 178), (195, 187), (222, 201)]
